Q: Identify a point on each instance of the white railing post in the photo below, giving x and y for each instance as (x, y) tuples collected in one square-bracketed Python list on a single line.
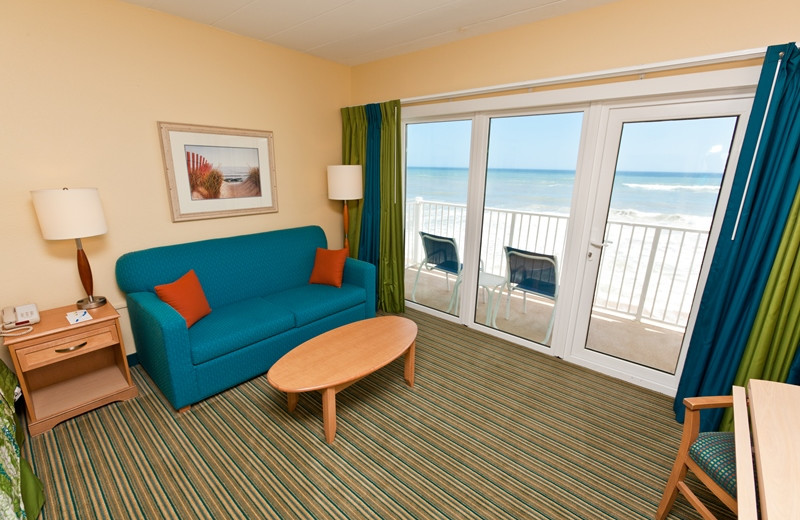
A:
[(417, 228), (511, 228), (648, 273), (448, 219)]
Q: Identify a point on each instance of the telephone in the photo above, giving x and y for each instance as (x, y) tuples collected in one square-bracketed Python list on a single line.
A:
[(18, 320)]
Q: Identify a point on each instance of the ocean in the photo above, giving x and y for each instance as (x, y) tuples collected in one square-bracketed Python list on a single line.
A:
[(663, 198)]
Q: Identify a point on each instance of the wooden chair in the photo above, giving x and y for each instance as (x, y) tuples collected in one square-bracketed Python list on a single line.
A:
[(711, 456)]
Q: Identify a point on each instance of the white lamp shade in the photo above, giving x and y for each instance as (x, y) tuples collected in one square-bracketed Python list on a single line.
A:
[(69, 213), (344, 182)]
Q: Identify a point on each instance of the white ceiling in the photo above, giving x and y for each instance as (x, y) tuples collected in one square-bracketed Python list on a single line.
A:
[(353, 32)]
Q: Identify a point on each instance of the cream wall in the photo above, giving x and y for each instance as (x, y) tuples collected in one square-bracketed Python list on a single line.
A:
[(621, 34), (82, 86)]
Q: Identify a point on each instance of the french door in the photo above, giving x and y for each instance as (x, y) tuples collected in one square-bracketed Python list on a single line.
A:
[(581, 230), (662, 180)]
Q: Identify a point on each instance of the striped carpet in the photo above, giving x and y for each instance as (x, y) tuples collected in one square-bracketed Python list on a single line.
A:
[(490, 430)]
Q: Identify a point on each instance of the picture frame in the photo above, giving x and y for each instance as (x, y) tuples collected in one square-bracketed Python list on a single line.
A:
[(215, 172)]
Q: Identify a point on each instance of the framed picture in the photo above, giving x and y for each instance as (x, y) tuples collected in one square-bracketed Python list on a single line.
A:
[(217, 172)]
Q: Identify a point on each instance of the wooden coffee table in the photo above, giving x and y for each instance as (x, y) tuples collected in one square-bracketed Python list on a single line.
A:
[(338, 358)]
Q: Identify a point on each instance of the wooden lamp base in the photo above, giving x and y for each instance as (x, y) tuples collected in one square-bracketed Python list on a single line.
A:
[(85, 272)]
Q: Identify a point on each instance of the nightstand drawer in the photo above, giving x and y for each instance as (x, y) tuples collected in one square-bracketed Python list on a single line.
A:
[(66, 347)]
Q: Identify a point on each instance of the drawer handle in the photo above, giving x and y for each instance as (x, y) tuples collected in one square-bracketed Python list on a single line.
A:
[(71, 349)]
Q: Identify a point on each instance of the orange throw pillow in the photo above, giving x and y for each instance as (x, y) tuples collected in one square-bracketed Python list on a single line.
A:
[(328, 267), (186, 296)]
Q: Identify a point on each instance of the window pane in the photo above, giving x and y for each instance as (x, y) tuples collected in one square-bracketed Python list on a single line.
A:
[(437, 171), (665, 191), (529, 181)]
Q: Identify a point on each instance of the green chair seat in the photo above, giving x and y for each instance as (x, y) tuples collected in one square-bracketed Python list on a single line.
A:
[(715, 453)]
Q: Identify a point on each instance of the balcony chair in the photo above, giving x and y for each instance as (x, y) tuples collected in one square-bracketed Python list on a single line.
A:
[(441, 254), (532, 273), (710, 455)]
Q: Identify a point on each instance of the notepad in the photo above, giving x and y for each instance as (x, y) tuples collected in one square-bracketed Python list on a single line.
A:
[(78, 316)]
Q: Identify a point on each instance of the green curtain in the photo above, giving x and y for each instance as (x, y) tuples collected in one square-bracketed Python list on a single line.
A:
[(772, 344), (391, 288), (390, 266), (776, 331), (354, 151)]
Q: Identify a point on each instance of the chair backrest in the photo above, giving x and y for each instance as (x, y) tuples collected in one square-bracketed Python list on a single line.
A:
[(441, 252), (532, 272)]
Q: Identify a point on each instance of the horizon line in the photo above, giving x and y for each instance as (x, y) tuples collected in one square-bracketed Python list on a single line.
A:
[(566, 170)]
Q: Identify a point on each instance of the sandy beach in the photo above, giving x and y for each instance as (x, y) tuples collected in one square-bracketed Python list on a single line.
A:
[(247, 188)]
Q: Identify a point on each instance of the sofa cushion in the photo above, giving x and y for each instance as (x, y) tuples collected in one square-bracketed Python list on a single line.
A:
[(328, 267), (235, 326), (312, 302), (186, 296)]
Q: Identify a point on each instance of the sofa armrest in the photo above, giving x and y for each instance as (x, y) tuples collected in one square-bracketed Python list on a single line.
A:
[(162, 346), (362, 274)]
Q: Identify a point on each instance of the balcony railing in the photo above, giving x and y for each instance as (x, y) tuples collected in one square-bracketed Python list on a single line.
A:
[(648, 272)]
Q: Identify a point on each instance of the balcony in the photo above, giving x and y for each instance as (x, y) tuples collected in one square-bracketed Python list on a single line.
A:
[(643, 296)]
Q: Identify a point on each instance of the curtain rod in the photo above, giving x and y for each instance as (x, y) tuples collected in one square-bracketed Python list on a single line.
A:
[(588, 76)]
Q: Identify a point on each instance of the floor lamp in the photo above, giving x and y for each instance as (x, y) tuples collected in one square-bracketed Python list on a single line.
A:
[(345, 183), (73, 214)]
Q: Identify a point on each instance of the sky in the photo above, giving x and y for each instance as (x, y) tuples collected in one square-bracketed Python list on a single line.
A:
[(227, 156), (552, 141)]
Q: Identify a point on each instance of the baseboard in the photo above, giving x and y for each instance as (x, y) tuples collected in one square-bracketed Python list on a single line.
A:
[(133, 360)]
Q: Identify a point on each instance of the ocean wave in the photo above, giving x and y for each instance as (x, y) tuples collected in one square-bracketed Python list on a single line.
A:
[(673, 187), (660, 219)]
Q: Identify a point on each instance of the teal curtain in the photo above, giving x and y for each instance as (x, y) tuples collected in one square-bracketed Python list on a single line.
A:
[(762, 195), (371, 138), (370, 218), (772, 344)]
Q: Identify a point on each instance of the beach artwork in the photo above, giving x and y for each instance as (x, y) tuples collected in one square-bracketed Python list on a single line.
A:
[(217, 172), (221, 172)]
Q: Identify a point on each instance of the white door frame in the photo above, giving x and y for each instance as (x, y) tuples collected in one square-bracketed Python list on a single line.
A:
[(613, 116)]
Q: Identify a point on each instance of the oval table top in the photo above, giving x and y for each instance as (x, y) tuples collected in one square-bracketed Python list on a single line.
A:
[(344, 354)]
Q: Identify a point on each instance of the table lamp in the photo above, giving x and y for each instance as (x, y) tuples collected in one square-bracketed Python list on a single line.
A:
[(345, 183), (73, 214)]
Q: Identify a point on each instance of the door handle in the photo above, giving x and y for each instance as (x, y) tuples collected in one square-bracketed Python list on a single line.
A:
[(601, 245)]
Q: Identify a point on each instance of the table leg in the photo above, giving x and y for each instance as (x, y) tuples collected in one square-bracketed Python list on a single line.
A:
[(489, 306), (409, 368), (496, 304), (329, 413), (292, 400)]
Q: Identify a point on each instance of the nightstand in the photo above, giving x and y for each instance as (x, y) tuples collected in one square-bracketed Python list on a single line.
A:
[(65, 369)]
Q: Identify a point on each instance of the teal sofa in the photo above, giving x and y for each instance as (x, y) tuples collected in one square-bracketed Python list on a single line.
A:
[(261, 303)]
